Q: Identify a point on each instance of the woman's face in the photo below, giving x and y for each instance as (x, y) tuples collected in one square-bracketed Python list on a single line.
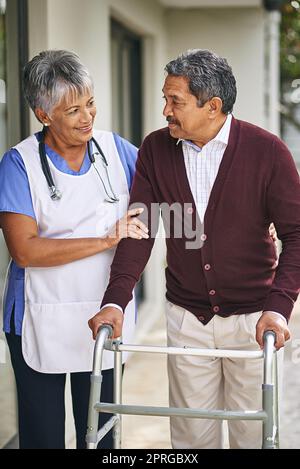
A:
[(72, 120)]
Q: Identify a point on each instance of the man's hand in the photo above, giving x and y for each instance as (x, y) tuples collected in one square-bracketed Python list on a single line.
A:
[(110, 315), (270, 321)]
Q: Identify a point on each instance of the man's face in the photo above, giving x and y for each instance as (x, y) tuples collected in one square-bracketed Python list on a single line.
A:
[(186, 119)]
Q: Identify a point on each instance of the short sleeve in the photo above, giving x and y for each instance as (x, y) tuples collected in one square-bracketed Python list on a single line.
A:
[(128, 157), (15, 196)]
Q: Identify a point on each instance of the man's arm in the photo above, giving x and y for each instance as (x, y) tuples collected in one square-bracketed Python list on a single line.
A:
[(131, 257), (283, 204)]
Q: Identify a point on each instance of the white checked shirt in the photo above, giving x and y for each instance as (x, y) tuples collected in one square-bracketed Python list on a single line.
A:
[(202, 165)]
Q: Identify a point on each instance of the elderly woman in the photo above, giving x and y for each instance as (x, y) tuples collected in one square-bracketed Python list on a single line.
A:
[(63, 202)]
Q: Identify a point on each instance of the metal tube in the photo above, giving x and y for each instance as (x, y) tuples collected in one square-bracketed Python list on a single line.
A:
[(269, 341), (104, 333), (181, 412), (118, 398), (269, 429), (276, 401), (114, 346), (95, 391), (106, 428), (268, 424)]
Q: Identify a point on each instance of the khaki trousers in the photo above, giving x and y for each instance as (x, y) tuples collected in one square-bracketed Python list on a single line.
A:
[(214, 383)]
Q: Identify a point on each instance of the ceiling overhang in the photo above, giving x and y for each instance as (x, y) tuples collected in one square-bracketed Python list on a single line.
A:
[(210, 3)]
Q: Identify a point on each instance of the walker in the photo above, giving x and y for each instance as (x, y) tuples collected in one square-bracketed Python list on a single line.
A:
[(268, 414)]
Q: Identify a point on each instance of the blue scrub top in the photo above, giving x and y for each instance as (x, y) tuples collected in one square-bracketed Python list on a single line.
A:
[(15, 197)]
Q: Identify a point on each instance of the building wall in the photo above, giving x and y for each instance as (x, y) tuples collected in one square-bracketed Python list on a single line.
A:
[(235, 33), (87, 32), (238, 35)]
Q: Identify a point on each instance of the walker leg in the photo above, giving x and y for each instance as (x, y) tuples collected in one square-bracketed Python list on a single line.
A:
[(268, 424), (269, 406), (117, 431), (276, 402), (93, 415), (104, 332)]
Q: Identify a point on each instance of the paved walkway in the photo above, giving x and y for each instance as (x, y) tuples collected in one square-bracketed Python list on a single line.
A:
[(145, 383), (290, 424)]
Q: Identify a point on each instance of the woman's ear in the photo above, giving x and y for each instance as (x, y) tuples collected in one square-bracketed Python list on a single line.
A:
[(42, 116)]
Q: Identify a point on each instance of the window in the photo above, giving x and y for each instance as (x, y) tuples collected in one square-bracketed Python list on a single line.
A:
[(126, 83), (126, 59), (3, 79)]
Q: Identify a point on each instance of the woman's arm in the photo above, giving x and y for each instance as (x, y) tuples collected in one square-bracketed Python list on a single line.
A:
[(29, 250)]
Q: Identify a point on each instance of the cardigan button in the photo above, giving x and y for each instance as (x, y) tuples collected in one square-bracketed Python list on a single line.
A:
[(212, 292), (207, 267), (201, 318), (203, 237), (216, 309)]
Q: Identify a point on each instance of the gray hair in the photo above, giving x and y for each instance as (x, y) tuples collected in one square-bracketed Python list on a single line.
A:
[(52, 75), (208, 75)]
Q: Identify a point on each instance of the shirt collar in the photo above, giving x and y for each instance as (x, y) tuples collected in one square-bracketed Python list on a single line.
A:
[(222, 136)]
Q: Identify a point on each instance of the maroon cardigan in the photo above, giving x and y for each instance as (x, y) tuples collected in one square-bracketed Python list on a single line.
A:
[(236, 270)]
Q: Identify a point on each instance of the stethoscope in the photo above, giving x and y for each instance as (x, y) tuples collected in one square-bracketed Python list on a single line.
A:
[(55, 193)]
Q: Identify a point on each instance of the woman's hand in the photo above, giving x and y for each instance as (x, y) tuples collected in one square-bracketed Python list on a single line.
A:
[(272, 232), (128, 227)]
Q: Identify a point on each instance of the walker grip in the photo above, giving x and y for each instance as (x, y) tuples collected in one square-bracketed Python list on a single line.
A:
[(108, 327), (269, 333)]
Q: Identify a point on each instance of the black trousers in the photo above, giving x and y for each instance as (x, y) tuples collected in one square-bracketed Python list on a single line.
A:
[(41, 403)]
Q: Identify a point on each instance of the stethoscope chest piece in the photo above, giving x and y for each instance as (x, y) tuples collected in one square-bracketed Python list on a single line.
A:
[(55, 194)]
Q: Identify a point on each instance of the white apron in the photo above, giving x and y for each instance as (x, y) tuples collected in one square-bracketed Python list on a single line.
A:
[(59, 301)]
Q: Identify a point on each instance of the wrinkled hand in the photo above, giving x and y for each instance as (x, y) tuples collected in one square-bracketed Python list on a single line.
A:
[(272, 322), (128, 226), (109, 315)]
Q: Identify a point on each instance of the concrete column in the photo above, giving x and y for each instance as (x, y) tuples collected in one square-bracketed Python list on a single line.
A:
[(273, 71)]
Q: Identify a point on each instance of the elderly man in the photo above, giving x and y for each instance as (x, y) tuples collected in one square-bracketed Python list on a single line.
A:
[(226, 290)]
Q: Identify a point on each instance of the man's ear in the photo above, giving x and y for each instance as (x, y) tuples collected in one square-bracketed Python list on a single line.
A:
[(215, 107)]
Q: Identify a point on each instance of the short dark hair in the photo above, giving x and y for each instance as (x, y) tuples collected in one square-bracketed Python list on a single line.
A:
[(208, 75)]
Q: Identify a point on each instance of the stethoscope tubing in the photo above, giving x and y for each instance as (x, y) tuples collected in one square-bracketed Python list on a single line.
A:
[(55, 194)]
